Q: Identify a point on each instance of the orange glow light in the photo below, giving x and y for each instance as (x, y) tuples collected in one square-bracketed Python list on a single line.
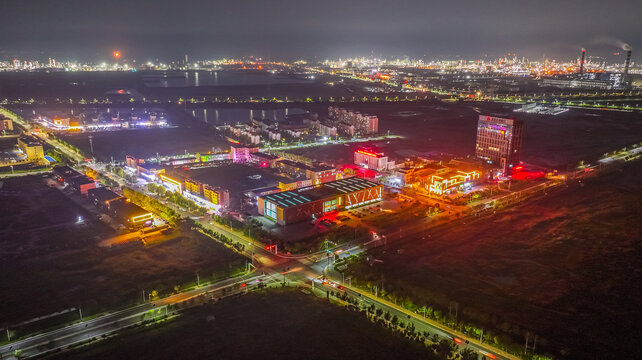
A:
[(368, 153), (117, 54)]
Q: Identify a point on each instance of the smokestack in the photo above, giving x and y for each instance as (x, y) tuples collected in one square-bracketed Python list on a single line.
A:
[(582, 61), (627, 62)]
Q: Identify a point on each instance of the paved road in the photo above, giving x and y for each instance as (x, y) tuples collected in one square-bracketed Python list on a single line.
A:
[(120, 319)]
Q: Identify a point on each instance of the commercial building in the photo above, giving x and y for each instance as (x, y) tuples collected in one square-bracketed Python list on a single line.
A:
[(32, 147), (239, 153), (263, 159), (370, 159), (317, 173), (133, 161), (150, 171), (6, 124), (74, 179), (452, 180), (499, 142), (129, 213), (81, 184), (101, 197), (294, 184), (216, 196), (315, 201)]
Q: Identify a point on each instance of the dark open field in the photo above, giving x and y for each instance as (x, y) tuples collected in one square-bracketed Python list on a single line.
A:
[(566, 265), (550, 141), (50, 263), (269, 325), (147, 143)]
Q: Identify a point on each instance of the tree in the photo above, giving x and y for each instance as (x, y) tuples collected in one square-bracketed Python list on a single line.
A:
[(395, 320), (444, 348), (386, 316), (468, 354)]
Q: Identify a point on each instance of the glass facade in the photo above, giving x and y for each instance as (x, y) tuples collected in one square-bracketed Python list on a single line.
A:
[(270, 210), (329, 205)]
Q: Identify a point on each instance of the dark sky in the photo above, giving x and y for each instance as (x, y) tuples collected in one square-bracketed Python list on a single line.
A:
[(286, 29)]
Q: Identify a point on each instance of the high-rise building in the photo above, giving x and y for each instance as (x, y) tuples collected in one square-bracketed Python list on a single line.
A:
[(499, 142)]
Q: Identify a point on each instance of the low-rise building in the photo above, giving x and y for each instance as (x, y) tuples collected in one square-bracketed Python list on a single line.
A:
[(315, 201), (216, 196), (32, 147), (264, 159), (131, 214), (150, 171), (101, 197)]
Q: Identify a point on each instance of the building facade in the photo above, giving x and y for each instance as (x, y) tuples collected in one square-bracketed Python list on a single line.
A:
[(370, 159), (315, 201), (363, 123), (499, 142)]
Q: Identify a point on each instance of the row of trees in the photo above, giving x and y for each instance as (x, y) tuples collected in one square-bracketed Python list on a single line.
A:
[(176, 198), (358, 267), (439, 348), (220, 237), (152, 205)]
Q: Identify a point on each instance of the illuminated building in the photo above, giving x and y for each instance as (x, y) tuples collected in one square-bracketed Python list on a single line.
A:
[(454, 179), (150, 171), (194, 187), (315, 201), (181, 161), (133, 162), (499, 142), (287, 186), (239, 153), (82, 184), (74, 179), (32, 147), (131, 214), (171, 184), (318, 174), (263, 159), (5, 124), (216, 196), (370, 159), (101, 197)]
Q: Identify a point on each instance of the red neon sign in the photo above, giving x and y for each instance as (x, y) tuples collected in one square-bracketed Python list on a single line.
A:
[(368, 153)]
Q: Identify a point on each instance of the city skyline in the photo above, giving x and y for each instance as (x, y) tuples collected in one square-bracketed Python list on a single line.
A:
[(90, 31)]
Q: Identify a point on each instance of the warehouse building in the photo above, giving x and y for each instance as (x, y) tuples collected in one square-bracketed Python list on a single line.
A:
[(315, 201)]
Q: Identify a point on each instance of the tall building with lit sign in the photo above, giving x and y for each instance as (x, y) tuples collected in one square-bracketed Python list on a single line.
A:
[(499, 142), (370, 159)]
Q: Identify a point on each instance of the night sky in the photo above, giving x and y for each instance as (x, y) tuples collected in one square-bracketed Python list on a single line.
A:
[(286, 29)]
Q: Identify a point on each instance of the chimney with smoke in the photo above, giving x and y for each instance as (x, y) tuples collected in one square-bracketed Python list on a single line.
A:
[(627, 63), (582, 61)]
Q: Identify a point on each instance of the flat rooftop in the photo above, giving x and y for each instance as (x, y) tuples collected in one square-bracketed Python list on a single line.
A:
[(308, 194)]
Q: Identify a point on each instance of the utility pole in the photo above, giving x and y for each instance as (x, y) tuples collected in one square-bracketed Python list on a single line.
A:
[(8, 335), (80, 312), (198, 279), (143, 295), (91, 143)]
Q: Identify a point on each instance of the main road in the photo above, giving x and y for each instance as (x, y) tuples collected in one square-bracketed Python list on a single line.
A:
[(111, 322)]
